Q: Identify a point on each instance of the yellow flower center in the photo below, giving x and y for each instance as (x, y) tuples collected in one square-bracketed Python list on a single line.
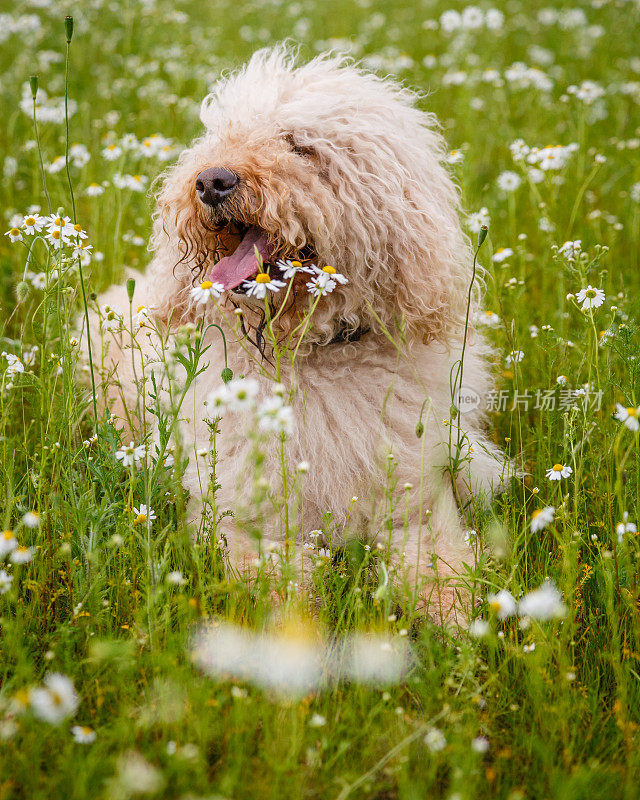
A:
[(262, 277), (112, 147), (137, 178), (141, 518), (489, 313), (58, 221), (632, 412), (55, 234), (296, 264), (30, 221), (140, 308), (494, 605), (591, 293), (14, 232), (7, 535), (94, 184), (86, 730), (329, 270), (206, 285), (77, 228), (558, 467), (536, 513)]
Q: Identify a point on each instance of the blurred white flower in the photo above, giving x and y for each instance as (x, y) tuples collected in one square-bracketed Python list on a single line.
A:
[(8, 542), (502, 603), (509, 181), (628, 416), (5, 581), (542, 604), (56, 700), (625, 527), (479, 628), (435, 740), (83, 734), (542, 517)]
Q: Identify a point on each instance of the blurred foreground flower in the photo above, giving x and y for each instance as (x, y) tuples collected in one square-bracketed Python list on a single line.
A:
[(543, 604), (56, 700), (292, 665), (628, 416)]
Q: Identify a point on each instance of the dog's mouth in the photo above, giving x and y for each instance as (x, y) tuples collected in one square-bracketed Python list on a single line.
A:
[(233, 270)]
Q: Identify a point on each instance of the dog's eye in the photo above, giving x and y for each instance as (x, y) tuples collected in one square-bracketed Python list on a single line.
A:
[(298, 149)]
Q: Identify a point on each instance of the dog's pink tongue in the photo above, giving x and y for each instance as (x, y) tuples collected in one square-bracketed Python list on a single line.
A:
[(232, 270)]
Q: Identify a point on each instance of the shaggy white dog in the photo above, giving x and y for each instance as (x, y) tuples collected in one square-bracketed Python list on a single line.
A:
[(329, 165)]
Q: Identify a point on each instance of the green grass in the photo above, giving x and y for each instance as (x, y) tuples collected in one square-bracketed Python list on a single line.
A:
[(561, 719)]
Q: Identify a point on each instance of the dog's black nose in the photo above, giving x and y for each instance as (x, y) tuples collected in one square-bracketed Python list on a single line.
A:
[(213, 185)]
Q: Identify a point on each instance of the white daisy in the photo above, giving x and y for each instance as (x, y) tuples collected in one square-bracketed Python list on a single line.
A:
[(274, 416), (33, 223), (542, 517), (21, 555), (325, 280), (628, 416), (15, 235), (502, 254), (290, 268), (144, 514), (206, 291), (509, 181), (502, 603), (83, 734), (56, 700), (543, 603), (559, 471), (262, 283), (94, 190), (590, 297), (31, 519), (176, 578), (489, 318), (132, 454), (8, 542)]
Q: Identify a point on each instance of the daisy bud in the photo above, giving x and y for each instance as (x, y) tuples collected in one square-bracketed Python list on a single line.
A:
[(226, 375), (22, 291), (68, 28), (482, 235), (60, 212), (419, 430), (131, 287), (453, 411), (33, 83)]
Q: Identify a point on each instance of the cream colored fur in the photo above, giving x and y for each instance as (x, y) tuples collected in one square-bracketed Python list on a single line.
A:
[(341, 160)]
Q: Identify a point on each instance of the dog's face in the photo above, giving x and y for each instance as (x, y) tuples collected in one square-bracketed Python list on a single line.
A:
[(328, 165)]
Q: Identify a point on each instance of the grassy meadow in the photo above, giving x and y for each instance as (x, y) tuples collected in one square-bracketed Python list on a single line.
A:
[(100, 692)]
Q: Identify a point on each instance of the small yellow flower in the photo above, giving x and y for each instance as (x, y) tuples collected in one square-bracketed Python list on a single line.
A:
[(329, 270)]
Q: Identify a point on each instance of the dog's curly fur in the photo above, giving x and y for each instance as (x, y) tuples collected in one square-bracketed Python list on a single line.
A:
[(341, 164)]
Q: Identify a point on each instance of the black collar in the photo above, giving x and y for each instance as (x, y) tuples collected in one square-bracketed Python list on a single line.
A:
[(347, 335)]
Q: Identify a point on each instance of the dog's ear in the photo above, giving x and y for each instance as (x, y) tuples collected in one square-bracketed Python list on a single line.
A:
[(433, 261)]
